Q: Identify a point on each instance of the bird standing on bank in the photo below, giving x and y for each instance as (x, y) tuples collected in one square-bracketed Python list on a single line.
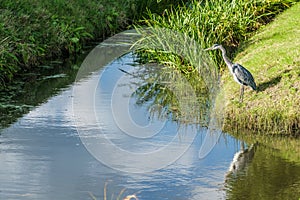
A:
[(240, 74)]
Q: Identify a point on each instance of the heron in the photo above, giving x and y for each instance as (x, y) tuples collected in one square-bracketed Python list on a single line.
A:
[(240, 74)]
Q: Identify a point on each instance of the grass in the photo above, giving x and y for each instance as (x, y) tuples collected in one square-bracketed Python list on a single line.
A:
[(32, 31), (272, 55)]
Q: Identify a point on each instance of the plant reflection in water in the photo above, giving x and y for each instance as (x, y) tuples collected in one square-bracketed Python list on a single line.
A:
[(157, 92)]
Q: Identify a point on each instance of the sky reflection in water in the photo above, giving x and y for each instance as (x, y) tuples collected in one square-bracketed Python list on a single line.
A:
[(42, 157)]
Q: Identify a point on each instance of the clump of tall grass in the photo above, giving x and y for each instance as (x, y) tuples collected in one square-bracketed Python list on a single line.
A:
[(227, 22), (194, 80), (262, 120), (6, 69)]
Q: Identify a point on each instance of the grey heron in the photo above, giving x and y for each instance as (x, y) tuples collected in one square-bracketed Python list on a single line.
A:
[(240, 74)]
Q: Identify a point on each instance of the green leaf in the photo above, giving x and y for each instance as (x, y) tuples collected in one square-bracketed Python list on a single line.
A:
[(74, 39)]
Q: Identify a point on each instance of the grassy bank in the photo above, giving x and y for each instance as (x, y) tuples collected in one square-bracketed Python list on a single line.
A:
[(272, 55), (34, 30)]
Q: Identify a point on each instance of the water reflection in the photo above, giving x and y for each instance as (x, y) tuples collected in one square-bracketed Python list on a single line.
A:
[(241, 159), (137, 139), (32, 89), (157, 93), (268, 176), (42, 157)]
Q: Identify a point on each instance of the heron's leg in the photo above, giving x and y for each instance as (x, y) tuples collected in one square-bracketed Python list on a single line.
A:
[(241, 93)]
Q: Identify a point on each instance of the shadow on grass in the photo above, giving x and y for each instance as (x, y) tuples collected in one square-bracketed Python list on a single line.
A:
[(272, 82)]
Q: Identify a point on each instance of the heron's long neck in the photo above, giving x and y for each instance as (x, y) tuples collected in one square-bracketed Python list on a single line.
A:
[(226, 59)]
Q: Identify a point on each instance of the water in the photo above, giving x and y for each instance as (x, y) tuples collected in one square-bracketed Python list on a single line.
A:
[(46, 154)]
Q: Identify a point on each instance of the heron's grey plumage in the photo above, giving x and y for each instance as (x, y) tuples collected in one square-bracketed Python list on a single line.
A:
[(240, 74), (243, 76)]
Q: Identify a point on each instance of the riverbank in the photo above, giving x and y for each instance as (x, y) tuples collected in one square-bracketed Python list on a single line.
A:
[(272, 55), (32, 31)]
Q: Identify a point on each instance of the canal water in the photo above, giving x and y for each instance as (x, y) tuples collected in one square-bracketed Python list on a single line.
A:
[(73, 147)]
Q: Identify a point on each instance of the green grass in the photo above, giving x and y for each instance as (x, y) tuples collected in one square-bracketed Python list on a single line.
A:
[(273, 57), (32, 31)]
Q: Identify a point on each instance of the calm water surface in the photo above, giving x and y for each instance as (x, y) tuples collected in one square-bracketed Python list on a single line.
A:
[(43, 157)]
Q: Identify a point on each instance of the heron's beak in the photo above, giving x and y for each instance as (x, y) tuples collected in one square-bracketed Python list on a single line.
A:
[(210, 48)]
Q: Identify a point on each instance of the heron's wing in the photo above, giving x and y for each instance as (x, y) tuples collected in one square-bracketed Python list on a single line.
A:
[(243, 75)]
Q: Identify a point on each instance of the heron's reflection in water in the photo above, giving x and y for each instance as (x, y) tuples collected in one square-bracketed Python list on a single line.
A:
[(241, 160)]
